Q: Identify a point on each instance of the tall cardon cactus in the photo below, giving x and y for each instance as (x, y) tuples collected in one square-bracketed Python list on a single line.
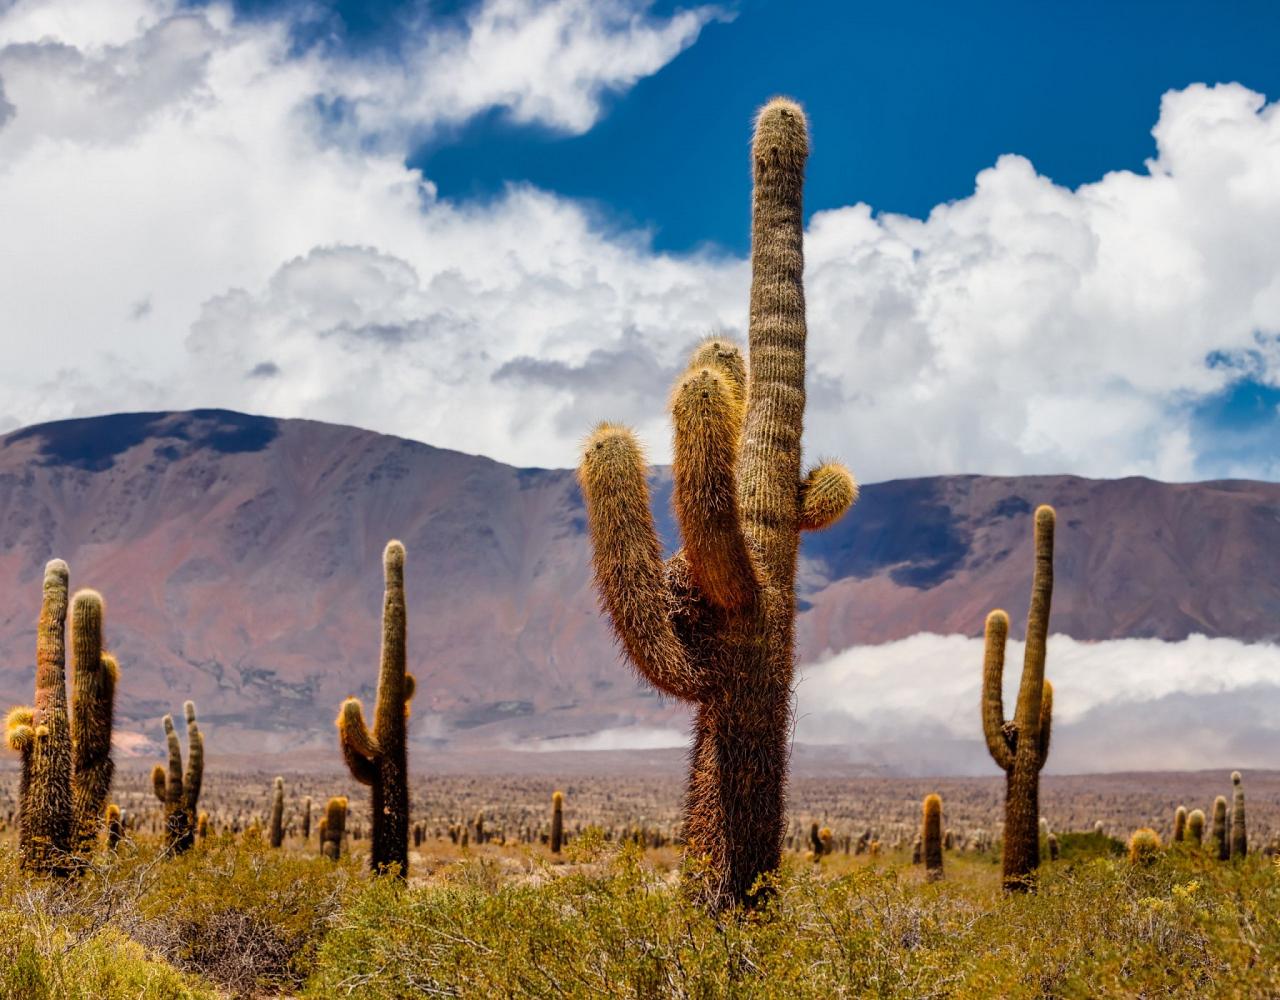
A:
[(66, 766), (379, 758), (714, 625), (1021, 747)]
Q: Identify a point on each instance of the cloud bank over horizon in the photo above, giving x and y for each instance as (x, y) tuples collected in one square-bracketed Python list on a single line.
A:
[(912, 706), (208, 214)]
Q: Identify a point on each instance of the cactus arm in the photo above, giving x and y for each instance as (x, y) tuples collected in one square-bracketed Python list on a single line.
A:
[(1032, 688), (993, 726), (627, 559), (93, 709), (770, 462), (707, 413), (173, 784), (51, 649), (158, 783), (358, 747), (826, 494), (195, 760), (388, 713), (1046, 722), (19, 728)]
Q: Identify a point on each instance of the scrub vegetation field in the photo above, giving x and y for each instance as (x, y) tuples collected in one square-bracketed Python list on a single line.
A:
[(504, 916)]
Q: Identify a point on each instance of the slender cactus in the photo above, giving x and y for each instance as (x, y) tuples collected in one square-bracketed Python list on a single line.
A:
[(557, 822), (379, 759), (306, 818), (1179, 823), (65, 750), (1239, 832), (1221, 840), (931, 835), (332, 827), (714, 625), (1052, 843), (179, 792), (115, 826), (1021, 747), (277, 812)]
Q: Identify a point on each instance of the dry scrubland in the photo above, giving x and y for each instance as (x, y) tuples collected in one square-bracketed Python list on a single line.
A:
[(233, 917)]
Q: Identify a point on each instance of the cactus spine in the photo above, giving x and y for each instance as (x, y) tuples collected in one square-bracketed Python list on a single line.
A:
[(277, 812), (931, 835), (380, 759), (715, 624), (66, 765), (1221, 841), (1239, 833), (557, 821), (179, 792), (332, 827), (1021, 747), (1195, 827)]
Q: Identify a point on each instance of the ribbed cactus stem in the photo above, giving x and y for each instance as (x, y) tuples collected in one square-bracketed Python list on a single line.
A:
[(1221, 835), (931, 836), (557, 821), (1179, 824), (379, 758), (277, 812), (47, 827), (1239, 831), (714, 625), (94, 680)]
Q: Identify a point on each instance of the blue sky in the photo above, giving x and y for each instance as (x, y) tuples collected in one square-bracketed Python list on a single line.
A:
[(1043, 238), (911, 101)]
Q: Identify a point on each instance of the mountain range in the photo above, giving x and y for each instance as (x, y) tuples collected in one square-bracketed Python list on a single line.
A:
[(239, 557)]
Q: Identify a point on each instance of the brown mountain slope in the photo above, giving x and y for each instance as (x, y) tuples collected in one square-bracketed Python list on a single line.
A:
[(239, 557)]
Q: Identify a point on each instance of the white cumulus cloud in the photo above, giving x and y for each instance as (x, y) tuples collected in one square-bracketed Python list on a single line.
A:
[(201, 213)]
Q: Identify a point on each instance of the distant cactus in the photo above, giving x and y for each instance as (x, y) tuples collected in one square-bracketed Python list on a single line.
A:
[(1144, 846), (815, 840), (179, 793), (379, 759), (557, 821), (931, 835), (1179, 824), (202, 825), (1098, 829), (714, 625), (825, 839), (1052, 841), (306, 818), (1195, 827), (66, 765), (1021, 747), (479, 827), (1239, 832), (277, 812), (321, 828), (115, 827), (1221, 839), (332, 828), (917, 850)]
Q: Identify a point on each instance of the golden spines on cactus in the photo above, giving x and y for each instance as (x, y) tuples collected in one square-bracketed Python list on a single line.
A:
[(1144, 846), (1221, 835), (826, 493), (1179, 823), (1239, 832), (379, 758), (557, 821), (202, 825), (714, 625), (931, 836), (95, 676), (277, 812), (1021, 747)]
